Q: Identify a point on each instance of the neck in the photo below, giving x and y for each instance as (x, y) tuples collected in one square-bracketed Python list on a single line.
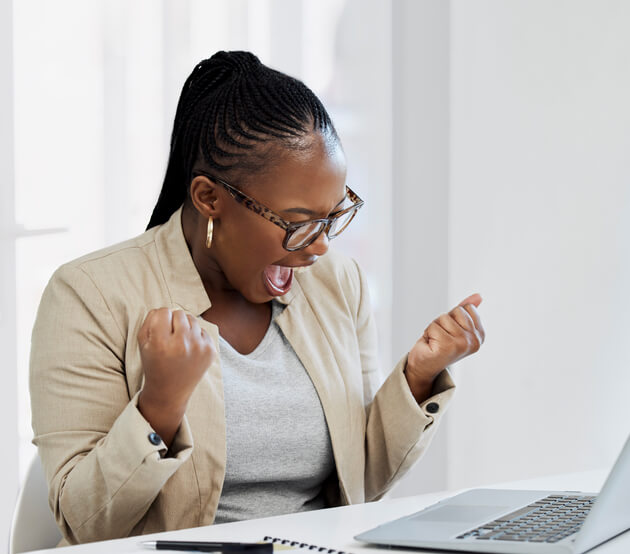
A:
[(216, 284)]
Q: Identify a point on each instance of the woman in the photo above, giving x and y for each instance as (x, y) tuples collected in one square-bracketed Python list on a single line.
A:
[(191, 375)]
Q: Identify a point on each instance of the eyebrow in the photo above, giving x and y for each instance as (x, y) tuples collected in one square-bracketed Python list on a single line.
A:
[(306, 211)]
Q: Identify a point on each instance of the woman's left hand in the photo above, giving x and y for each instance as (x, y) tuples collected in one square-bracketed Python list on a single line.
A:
[(446, 340)]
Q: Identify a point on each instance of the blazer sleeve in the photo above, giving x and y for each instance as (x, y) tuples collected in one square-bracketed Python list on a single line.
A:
[(398, 429), (103, 466)]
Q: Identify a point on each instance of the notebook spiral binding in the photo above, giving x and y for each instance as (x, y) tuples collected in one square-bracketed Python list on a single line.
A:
[(303, 545)]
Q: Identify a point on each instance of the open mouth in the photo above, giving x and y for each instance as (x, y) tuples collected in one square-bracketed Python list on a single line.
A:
[(278, 279)]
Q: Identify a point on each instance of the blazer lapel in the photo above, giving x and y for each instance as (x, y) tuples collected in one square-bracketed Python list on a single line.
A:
[(303, 330), (206, 408), (206, 417)]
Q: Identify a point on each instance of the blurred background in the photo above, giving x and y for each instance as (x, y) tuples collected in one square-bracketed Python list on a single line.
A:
[(489, 138)]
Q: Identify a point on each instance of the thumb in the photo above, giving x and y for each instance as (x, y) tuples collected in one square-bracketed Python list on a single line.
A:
[(474, 299)]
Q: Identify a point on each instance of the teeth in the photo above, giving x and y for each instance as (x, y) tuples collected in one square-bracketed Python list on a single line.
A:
[(300, 269)]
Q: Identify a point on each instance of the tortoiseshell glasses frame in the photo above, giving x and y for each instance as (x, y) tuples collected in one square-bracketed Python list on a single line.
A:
[(300, 234)]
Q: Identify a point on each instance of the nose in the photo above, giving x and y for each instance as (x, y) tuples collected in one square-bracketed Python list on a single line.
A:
[(319, 246)]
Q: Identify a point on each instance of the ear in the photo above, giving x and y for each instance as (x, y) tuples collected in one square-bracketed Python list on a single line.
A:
[(203, 193)]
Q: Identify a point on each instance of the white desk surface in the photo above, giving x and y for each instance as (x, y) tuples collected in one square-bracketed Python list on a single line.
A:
[(335, 527)]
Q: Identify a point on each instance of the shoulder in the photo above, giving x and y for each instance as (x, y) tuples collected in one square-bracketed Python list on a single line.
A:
[(117, 281), (113, 264), (335, 276), (132, 249), (109, 288), (334, 266)]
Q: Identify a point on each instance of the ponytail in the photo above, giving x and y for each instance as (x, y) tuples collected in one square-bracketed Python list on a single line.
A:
[(230, 104)]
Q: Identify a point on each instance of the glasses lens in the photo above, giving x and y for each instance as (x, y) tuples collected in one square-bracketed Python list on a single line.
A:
[(340, 223), (302, 235)]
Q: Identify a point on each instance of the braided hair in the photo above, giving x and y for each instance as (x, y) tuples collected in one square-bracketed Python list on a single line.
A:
[(232, 110)]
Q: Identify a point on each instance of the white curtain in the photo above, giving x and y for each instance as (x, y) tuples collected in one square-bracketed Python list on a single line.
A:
[(96, 87)]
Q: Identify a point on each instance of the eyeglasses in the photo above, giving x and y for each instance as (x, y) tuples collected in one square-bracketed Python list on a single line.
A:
[(302, 233)]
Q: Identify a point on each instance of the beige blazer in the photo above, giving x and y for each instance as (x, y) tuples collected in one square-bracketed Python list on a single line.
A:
[(106, 477)]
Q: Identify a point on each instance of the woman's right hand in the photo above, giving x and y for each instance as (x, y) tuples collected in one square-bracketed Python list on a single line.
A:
[(175, 353)]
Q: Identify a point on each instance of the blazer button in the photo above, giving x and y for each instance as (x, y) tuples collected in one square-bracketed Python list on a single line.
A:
[(154, 438), (432, 407)]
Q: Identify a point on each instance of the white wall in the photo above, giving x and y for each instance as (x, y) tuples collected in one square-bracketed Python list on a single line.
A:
[(99, 135), (510, 169), (420, 170), (539, 219), (8, 382)]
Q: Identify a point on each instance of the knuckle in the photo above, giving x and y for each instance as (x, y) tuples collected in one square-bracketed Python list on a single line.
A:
[(159, 347), (465, 342), (202, 345), (456, 315), (212, 351), (444, 320), (148, 318), (208, 355), (187, 343), (196, 346), (475, 342), (467, 315)]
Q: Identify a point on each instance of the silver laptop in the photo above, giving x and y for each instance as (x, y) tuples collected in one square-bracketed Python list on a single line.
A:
[(527, 522)]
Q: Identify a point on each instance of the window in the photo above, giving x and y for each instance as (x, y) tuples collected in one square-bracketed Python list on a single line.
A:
[(93, 118)]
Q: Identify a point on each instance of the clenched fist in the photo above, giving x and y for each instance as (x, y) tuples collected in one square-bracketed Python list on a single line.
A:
[(175, 353), (446, 340)]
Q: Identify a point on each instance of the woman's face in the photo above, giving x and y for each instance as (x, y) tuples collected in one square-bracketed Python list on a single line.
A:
[(301, 186)]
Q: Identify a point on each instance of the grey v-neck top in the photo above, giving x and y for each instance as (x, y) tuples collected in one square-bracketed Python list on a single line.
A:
[(278, 447)]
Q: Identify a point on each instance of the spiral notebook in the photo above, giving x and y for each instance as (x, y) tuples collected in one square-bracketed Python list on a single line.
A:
[(286, 544)]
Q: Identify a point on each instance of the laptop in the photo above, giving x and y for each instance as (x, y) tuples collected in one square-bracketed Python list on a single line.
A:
[(519, 521)]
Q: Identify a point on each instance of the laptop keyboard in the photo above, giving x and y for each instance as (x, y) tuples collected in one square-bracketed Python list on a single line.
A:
[(550, 519)]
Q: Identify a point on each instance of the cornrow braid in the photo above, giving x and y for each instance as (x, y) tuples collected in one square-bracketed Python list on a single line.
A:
[(230, 105)]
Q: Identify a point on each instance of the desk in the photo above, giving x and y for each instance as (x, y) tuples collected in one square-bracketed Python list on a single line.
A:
[(335, 527)]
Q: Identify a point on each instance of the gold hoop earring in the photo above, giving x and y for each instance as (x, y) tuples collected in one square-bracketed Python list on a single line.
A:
[(209, 233)]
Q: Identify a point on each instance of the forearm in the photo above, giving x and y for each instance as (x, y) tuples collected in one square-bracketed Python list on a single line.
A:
[(102, 462), (421, 388), (164, 417), (399, 428), (107, 492)]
